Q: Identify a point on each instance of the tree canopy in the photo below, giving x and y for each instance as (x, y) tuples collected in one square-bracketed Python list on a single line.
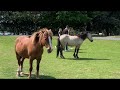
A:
[(28, 21)]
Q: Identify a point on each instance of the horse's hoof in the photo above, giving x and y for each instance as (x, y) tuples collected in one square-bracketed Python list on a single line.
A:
[(77, 57), (21, 74), (37, 78), (74, 57), (18, 74), (62, 57), (29, 77)]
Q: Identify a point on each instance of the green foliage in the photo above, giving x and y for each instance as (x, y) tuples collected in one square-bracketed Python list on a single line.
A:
[(107, 21), (72, 18), (28, 21)]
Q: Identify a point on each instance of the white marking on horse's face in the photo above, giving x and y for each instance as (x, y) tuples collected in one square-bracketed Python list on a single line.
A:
[(50, 43), (89, 36)]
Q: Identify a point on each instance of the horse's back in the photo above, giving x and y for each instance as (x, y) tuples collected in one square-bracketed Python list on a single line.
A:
[(63, 36), (22, 38), (67, 37), (70, 40)]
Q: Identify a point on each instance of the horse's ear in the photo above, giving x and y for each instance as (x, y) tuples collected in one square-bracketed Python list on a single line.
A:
[(43, 31), (87, 31), (50, 31), (81, 33)]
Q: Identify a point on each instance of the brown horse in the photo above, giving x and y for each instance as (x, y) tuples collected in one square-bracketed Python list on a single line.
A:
[(32, 48)]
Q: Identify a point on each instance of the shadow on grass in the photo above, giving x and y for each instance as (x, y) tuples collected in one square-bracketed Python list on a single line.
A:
[(73, 51), (33, 76), (46, 77), (87, 59)]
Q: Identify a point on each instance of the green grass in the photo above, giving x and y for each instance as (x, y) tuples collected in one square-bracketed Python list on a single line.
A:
[(98, 60)]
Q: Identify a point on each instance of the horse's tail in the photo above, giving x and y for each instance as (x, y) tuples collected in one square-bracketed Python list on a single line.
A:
[(58, 46)]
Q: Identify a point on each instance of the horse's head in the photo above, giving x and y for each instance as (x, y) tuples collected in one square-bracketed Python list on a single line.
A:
[(89, 36), (85, 35), (49, 41), (44, 38)]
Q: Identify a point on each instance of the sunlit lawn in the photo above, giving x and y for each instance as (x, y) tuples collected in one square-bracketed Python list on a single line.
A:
[(99, 59)]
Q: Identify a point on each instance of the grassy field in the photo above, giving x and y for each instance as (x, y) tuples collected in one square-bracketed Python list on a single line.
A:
[(98, 60)]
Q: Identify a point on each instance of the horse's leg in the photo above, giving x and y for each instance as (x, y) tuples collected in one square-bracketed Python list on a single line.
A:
[(75, 53), (58, 50), (37, 68), (61, 53), (58, 47), (22, 60), (19, 69), (31, 67), (66, 47), (77, 50)]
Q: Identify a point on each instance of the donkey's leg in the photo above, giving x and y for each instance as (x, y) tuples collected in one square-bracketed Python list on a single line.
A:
[(37, 68), (31, 67)]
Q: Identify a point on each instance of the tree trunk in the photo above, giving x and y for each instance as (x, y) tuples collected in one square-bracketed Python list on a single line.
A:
[(107, 31)]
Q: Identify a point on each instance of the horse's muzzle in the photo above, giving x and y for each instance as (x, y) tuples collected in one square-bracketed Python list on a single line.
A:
[(91, 40), (49, 50)]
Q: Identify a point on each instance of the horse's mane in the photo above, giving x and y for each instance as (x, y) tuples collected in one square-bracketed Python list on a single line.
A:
[(35, 36), (83, 35), (48, 30)]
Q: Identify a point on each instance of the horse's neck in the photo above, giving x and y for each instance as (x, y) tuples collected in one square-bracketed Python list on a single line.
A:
[(84, 36)]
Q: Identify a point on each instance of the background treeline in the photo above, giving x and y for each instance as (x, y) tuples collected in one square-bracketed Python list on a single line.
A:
[(26, 22)]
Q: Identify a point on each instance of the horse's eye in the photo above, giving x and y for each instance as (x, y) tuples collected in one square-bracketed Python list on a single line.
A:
[(46, 38)]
